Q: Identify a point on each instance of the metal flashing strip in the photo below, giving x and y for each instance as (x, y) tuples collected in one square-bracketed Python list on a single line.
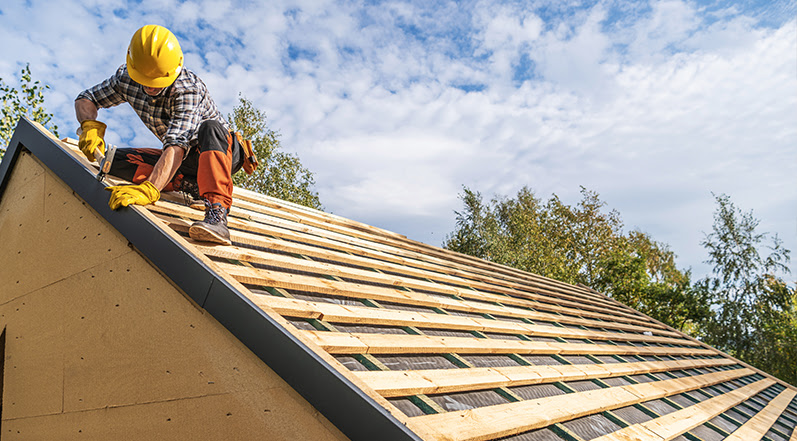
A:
[(347, 407)]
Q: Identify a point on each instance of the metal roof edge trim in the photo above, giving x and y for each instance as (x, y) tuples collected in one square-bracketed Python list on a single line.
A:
[(347, 407)]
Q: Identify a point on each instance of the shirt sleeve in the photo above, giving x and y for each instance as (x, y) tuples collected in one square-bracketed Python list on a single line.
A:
[(185, 120), (106, 94)]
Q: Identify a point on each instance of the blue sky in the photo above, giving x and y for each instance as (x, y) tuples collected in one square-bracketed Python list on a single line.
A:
[(395, 105)]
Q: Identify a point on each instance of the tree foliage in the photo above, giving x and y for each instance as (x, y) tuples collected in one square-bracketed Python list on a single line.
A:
[(26, 101), (583, 244), (279, 174), (743, 307), (642, 273), (754, 311)]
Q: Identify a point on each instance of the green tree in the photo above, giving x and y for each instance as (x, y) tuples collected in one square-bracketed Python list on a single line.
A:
[(279, 174), (642, 274), (584, 236), (476, 231), (578, 244), (26, 101), (754, 311), (551, 239)]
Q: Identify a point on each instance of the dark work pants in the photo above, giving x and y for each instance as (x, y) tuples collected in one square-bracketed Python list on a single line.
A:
[(211, 166)]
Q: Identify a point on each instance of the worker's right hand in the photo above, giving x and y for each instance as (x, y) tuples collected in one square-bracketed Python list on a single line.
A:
[(91, 138), (125, 195)]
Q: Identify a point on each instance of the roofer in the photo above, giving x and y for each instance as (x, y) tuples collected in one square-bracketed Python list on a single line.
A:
[(199, 154)]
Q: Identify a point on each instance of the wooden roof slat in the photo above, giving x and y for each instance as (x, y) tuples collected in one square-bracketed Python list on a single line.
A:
[(390, 317), (254, 222), (246, 200), (256, 256), (437, 381), (491, 422), (290, 262), (674, 424), (250, 202), (584, 300), (276, 279), (757, 426), (363, 343), (256, 234)]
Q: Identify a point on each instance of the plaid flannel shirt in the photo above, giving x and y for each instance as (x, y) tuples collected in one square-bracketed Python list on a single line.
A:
[(173, 116)]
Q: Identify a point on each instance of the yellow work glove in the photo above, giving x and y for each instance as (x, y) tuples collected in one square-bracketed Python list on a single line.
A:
[(124, 195), (91, 138)]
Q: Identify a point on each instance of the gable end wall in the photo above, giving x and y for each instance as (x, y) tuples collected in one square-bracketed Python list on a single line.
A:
[(99, 345)]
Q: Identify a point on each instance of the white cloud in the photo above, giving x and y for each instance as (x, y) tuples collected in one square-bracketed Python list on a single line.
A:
[(578, 62), (670, 23), (654, 109)]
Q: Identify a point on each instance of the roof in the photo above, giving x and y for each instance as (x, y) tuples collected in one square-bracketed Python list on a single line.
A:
[(393, 339)]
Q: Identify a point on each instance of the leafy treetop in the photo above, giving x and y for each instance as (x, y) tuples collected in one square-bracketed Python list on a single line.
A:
[(279, 174), (26, 101)]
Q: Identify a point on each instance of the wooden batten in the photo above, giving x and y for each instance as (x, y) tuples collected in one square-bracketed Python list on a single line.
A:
[(508, 419), (351, 343), (389, 317), (758, 426), (677, 423), (278, 279), (260, 257), (255, 222), (441, 381), (334, 224)]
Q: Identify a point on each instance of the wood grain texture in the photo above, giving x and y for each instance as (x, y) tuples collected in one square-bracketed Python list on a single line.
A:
[(486, 423), (437, 381), (363, 343), (674, 424), (757, 426), (257, 222), (391, 317), (302, 282)]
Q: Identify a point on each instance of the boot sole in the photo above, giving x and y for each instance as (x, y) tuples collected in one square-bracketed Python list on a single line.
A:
[(200, 234)]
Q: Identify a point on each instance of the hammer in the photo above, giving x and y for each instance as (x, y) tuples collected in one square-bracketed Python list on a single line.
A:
[(105, 160)]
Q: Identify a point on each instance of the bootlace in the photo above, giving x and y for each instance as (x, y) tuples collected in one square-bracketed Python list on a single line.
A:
[(215, 213)]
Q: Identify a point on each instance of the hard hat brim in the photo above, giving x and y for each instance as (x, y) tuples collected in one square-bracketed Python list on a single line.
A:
[(147, 81)]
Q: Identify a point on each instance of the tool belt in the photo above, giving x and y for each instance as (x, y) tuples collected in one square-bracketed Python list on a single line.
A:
[(250, 160)]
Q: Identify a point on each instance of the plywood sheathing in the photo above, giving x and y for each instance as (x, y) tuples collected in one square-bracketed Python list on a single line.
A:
[(100, 346), (32, 204)]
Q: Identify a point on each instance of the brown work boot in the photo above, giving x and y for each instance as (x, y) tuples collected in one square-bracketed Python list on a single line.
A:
[(214, 227)]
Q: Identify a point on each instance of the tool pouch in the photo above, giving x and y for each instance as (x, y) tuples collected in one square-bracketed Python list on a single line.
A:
[(250, 159)]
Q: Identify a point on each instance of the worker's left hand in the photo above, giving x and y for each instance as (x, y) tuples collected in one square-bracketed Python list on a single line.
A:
[(124, 195)]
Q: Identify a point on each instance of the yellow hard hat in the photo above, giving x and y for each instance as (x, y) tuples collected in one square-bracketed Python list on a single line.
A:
[(154, 57)]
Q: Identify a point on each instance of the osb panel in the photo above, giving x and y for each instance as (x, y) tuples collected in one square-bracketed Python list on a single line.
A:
[(214, 417), (33, 368), (101, 346), (132, 339), (38, 212)]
